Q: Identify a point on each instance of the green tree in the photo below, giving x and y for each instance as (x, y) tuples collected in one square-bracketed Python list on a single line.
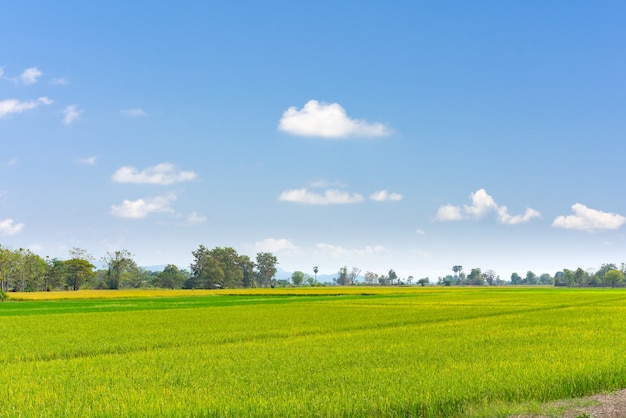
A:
[(120, 265), (531, 278), (77, 272), (266, 267), (457, 273), (613, 277), (545, 278), (247, 267), (579, 276), (171, 277), (392, 276), (490, 276), (342, 278), (55, 274), (297, 277), (475, 277)]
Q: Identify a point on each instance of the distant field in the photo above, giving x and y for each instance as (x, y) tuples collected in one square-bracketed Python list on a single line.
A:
[(351, 351)]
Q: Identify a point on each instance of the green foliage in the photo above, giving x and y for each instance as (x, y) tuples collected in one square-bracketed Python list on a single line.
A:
[(3, 295)]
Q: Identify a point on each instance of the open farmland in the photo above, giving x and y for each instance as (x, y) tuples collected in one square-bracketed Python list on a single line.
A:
[(329, 352)]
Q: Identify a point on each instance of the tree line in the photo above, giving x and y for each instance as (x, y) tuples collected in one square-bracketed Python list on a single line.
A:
[(609, 274), (24, 271)]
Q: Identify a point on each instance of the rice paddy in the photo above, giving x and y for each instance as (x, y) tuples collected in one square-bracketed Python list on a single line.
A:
[(329, 352)]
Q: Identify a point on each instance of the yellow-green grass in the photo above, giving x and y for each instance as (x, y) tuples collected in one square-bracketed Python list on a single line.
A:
[(430, 352)]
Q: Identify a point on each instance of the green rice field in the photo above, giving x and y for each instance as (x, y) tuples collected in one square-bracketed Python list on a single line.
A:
[(431, 352)]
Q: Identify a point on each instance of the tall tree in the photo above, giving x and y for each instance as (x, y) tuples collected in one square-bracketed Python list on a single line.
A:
[(354, 273), (78, 272), (392, 276), (119, 264), (613, 277), (490, 276), (457, 271), (342, 278), (315, 270), (266, 267), (475, 277), (370, 277)]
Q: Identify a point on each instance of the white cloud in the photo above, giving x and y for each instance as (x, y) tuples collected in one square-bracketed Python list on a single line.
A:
[(419, 231), (505, 218), (384, 195), (30, 75), (88, 160), (482, 205), (10, 106), (272, 245), (9, 227), (449, 213), (71, 114), (195, 218), (134, 112), (330, 197), (163, 174), (327, 121), (590, 220), (140, 208)]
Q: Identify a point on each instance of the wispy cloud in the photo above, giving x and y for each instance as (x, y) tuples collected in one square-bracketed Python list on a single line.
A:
[(10, 106), (88, 160), (329, 197), (384, 195), (273, 245), (71, 114), (590, 220), (482, 205), (194, 218), (163, 174), (327, 121), (141, 208), (9, 227), (134, 112), (339, 251), (30, 75), (59, 81)]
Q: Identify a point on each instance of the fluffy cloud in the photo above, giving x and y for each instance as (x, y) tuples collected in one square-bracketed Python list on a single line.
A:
[(384, 195), (140, 208), (590, 220), (134, 112), (30, 75), (163, 174), (482, 205), (9, 227), (327, 121), (10, 106), (330, 197), (70, 114), (272, 245)]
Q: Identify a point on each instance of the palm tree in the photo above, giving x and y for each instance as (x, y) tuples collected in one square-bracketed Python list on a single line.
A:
[(315, 270), (457, 271)]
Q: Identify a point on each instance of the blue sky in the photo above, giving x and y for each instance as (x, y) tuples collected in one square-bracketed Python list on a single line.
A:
[(406, 135)]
